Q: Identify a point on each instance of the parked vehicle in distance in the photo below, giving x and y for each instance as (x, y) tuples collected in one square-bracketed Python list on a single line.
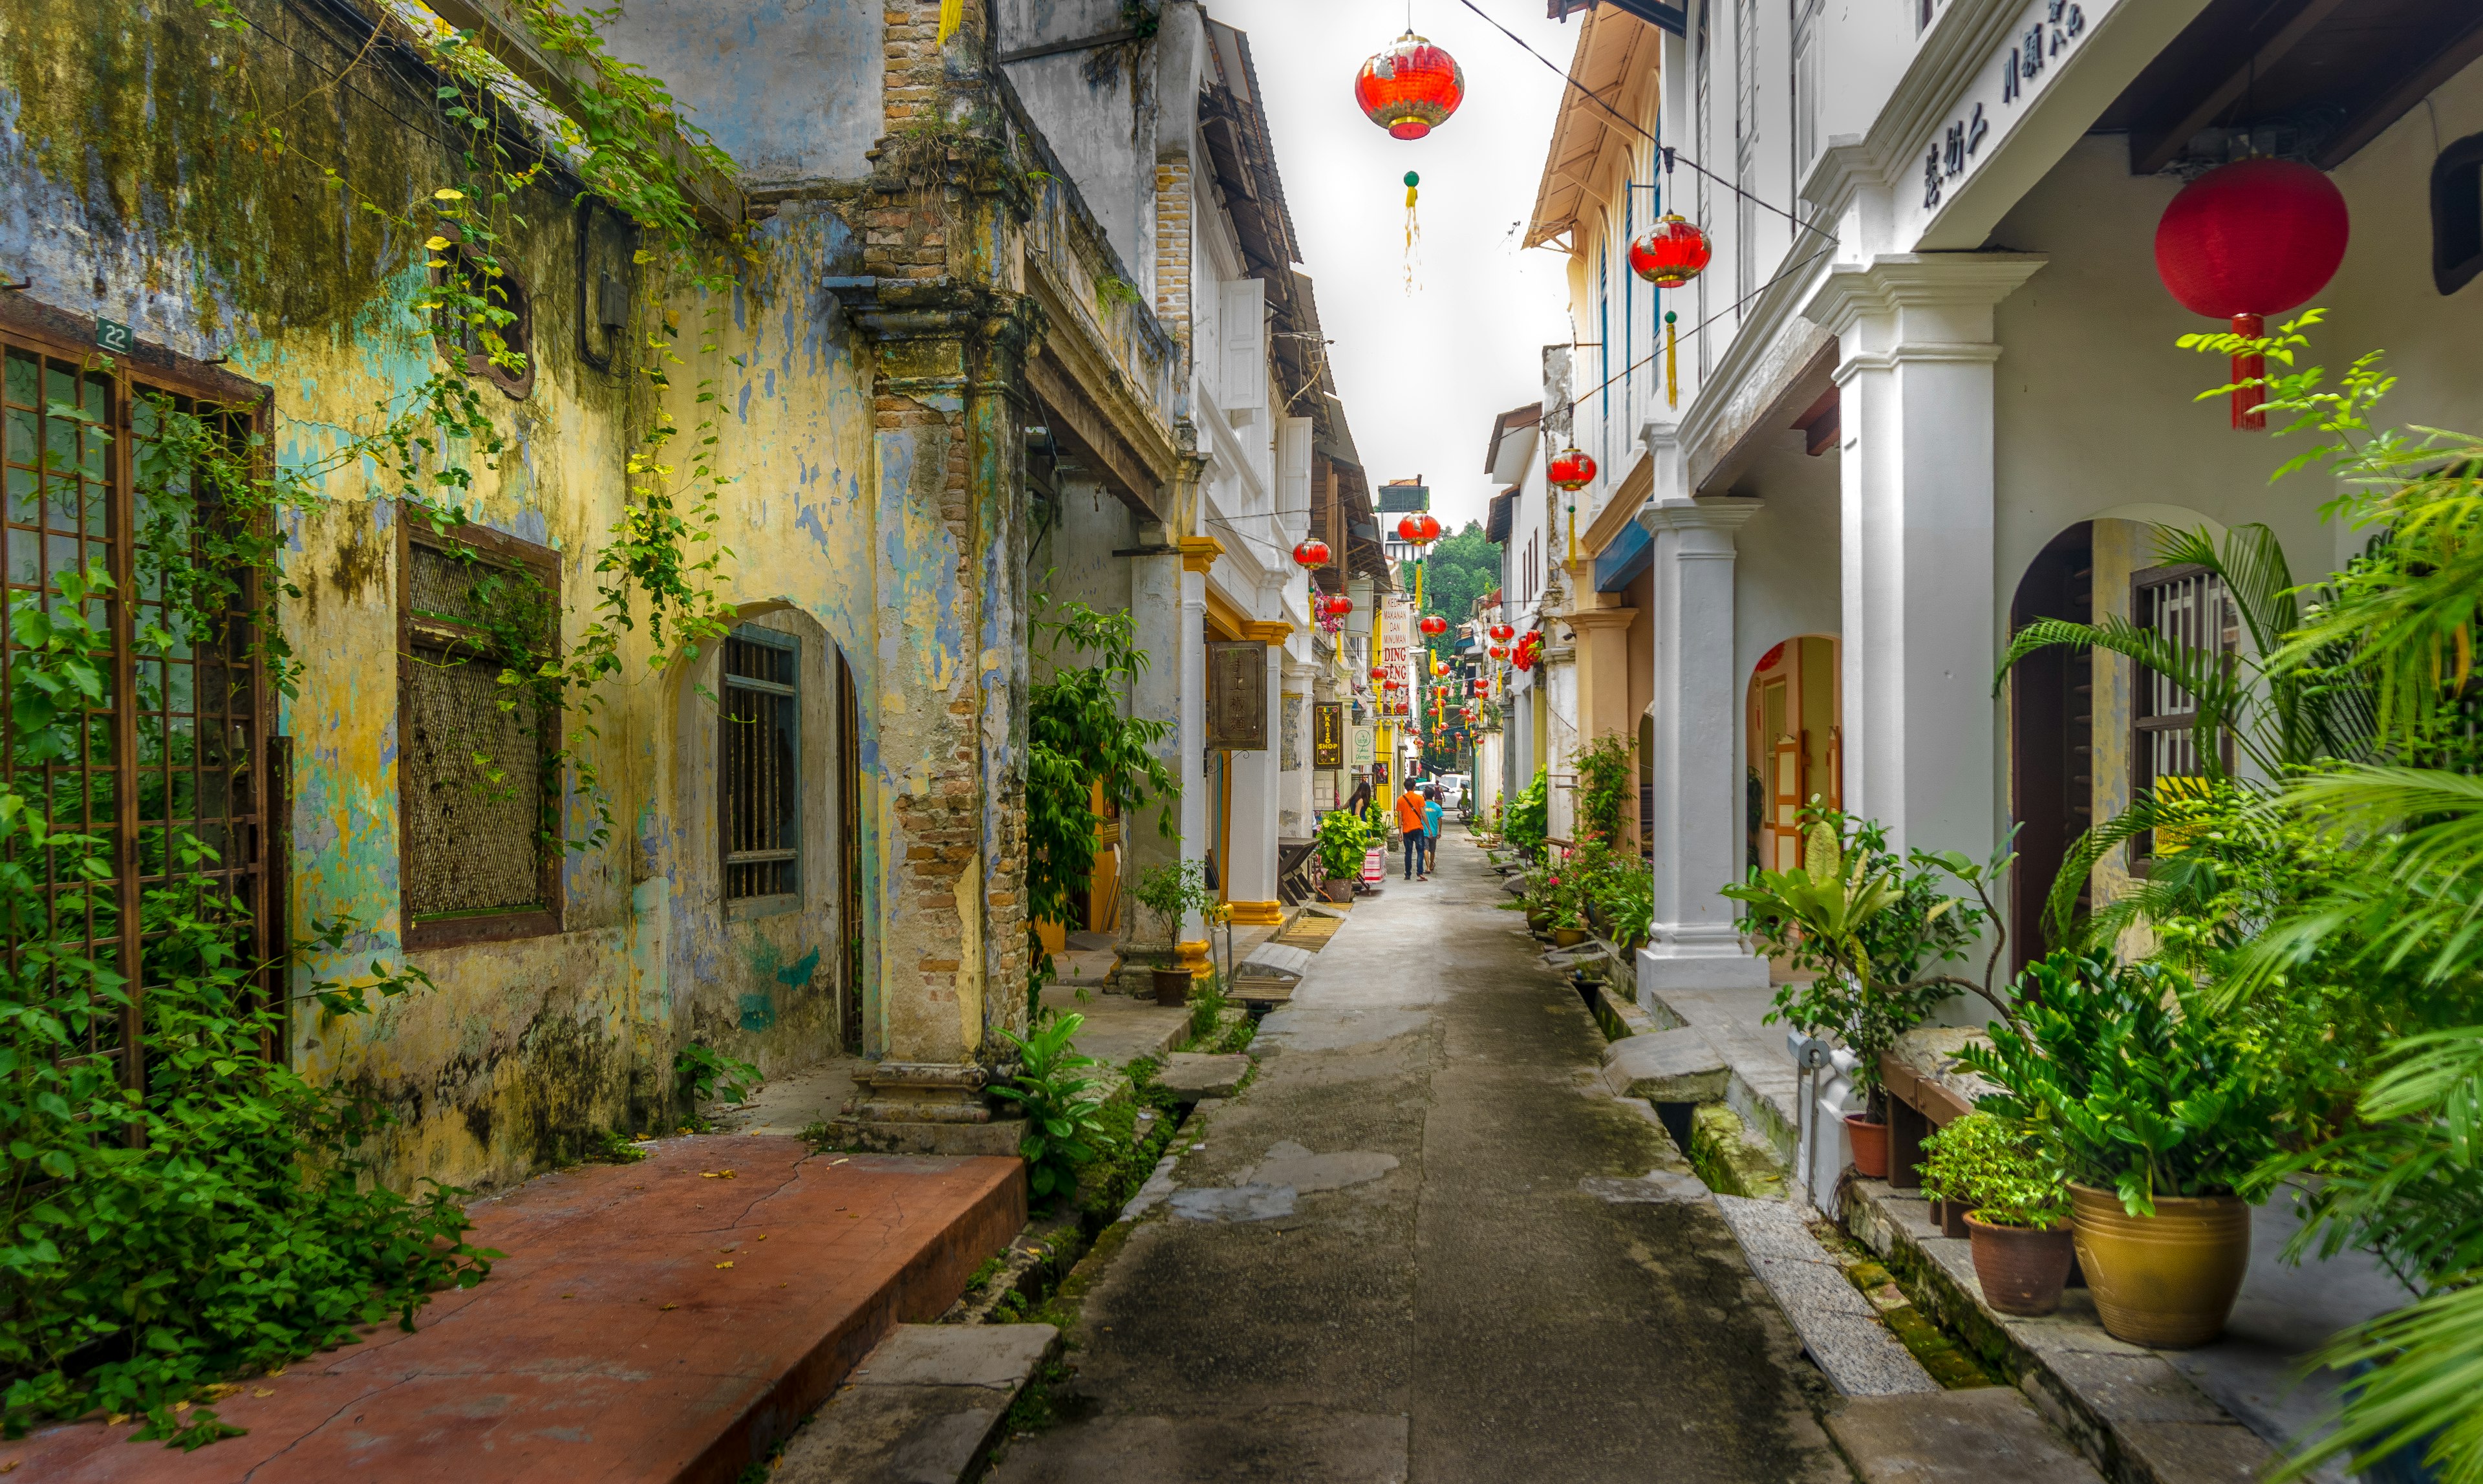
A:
[(1453, 789)]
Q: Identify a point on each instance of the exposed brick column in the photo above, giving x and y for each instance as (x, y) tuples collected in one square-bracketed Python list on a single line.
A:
[(1173, 249), (941, 220)]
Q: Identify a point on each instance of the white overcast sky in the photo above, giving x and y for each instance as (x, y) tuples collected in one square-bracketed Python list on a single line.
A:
[(1423, 375)]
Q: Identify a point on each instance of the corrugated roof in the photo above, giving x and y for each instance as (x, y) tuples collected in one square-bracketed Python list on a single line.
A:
[(1616, 60)]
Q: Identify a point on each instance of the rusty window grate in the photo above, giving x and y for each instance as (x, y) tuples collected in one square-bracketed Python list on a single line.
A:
[(759, 745), (477, 780), (175, 749)]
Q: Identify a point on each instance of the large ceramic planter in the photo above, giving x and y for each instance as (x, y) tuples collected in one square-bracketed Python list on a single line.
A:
[(1172, 987), (1568, 938), (2167, 1279), (1539, 922), (2022, 1268), (1870, 1143)]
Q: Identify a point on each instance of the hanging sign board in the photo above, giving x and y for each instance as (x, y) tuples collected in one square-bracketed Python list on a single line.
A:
[(1328, 734), (1236, 694)]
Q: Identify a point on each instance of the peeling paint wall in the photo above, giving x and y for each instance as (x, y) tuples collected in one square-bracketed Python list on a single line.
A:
[(129, 194)]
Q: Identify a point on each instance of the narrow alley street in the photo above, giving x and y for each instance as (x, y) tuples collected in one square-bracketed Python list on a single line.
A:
[(1382, 1262)]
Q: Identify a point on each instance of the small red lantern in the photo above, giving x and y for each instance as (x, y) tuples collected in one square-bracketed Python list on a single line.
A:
[(1498, 651), (1339, 605), (1570, 469), (1310, 554), (1410, 86), (2253, 238), (1420, 529), (1434, 626), (1503, 632), (1439, 667), (1379, 672), (1672, 253)]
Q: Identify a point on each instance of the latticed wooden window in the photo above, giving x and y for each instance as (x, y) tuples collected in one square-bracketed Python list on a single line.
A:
[(2187, 608), (477, 786), (116, 562), (758, 752)]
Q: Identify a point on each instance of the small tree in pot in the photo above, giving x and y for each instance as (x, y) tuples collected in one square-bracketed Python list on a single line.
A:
[(2017, 1209), (1869, 925), (1172, 892)]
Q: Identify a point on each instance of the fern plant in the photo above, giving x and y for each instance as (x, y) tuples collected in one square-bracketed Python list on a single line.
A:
[(1060, 1103)]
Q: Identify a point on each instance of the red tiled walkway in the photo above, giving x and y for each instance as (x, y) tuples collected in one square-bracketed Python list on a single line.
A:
[(613, 1343)]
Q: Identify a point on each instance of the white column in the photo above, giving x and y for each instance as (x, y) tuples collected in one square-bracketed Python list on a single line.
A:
[(1193, 772), (1294, 766), (1251, 855), (1698, 840), (1921, 609)]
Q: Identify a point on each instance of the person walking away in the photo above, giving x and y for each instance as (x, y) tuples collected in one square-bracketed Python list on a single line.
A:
[(1431, 827), (1409, 822)]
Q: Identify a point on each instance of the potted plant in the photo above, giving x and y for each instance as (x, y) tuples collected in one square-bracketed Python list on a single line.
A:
[(1172, 892), (2015, 1210), (1869, 924), (2156, 1112), (1344, 841)]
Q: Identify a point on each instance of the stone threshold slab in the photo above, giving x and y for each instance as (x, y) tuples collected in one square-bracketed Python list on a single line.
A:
[(1838, 1326), (668, 1321)]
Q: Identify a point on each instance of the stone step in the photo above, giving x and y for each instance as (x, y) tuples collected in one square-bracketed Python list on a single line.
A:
[(1838, 1326), (1973, 1437), (924, 1408)]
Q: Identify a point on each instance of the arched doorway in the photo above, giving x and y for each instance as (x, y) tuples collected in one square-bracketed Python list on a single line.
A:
[(2052, 735), (1792, 730)]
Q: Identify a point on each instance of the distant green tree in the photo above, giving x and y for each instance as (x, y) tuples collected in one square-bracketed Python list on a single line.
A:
[(1457, 570)]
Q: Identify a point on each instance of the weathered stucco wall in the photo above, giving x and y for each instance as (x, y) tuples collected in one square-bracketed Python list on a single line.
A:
[(132, 190), (789, 87)]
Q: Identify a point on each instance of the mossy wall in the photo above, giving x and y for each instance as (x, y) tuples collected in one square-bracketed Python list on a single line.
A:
[(136, 183)]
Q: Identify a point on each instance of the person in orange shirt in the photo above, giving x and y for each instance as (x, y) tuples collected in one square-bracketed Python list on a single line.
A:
[(1410, 819)]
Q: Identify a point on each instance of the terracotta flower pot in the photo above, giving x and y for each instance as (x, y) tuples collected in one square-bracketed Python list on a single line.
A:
[(1870, 1142), (2167, 1279), (1339, 889), (1172, 987), (2022, 1268), (1568, 938)]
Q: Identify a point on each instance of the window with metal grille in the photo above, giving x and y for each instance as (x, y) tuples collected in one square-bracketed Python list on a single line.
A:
[(176, 749), (475, 756), (2187, 608), (759, 749)]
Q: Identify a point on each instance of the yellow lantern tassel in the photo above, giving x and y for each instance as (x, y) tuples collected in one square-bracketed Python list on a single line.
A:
[(1672, 362), (952, 15), (1413, 229)]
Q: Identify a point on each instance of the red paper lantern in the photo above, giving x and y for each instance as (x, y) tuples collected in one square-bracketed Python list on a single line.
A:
[(1310, 554), (1570, 469), (2248, 239), (1410, 86), (1434, 626), (1503, 632), (1498, 651), (1339, 605), (1379, 672), (1672, 253), (1420, 529)]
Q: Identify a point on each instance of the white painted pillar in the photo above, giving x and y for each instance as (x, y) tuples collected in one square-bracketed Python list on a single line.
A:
[(1922, 622), (1192, 735), (1697, 840), (1299, 680)]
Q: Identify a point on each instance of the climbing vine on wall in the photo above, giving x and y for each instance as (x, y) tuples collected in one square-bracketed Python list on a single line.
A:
[(210, 1217)]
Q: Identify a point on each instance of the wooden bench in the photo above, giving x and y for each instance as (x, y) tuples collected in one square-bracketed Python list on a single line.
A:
[(1927, 1089)]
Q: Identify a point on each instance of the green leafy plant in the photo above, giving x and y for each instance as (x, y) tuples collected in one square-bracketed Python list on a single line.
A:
[(1528, 819), (1873, 929), (1607, 788), (704, 1074), (1172, 892), (1996, 1171), (1081, 743), (1344, 844), (1057, 1094), (2122, 1072)]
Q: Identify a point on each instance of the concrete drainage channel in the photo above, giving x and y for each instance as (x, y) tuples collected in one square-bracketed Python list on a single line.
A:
[(1917, 1405)]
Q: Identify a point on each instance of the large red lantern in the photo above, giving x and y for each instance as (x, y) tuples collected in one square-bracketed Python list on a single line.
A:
[(1313, 552), (2248, 239), (1672, 253), (1410, 86), (1434, 626), (1570, 469), (1503, 632), (1418, 528)]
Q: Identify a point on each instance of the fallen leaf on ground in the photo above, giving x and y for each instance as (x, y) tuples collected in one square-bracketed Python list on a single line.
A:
[(669, 1305), (724, 1264), (219, 1390), (264, 1390), (10, 1467), (762, 1236), (115, 1419), (708, 1175)]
